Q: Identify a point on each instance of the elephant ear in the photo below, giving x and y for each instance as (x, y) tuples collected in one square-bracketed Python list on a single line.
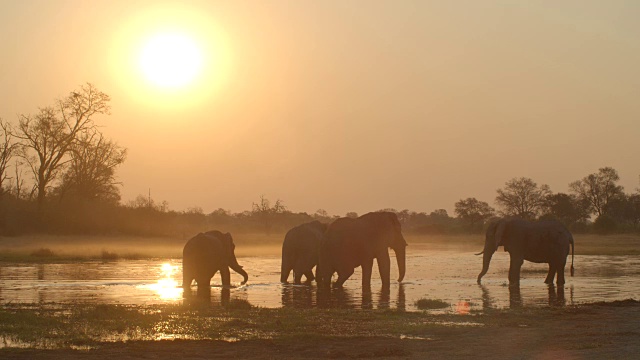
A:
[(497, 237)]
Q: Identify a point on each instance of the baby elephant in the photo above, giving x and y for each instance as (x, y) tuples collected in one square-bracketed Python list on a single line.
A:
[(300, 251), (204, 255)]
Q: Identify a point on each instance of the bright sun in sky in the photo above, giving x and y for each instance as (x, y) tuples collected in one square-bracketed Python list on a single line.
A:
[(171, 60)]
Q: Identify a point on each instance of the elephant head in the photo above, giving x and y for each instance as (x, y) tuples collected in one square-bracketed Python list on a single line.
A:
[(229, 249), (399, 246), (493, 238)]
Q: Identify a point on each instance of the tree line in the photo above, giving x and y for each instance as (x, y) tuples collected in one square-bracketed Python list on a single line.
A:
[(58, 175)]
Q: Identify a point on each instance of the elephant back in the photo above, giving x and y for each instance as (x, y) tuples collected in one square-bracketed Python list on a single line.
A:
[(203, 245)]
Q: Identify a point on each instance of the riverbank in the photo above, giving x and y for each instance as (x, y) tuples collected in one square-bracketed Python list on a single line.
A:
[(591, 331)]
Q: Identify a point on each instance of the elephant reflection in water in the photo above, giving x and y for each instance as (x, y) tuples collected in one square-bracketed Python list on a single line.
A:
[(214, 299), (556, 297), (297, 296), (308, 297)]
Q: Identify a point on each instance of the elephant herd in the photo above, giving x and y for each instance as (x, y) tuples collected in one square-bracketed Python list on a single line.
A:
[(348, 243)]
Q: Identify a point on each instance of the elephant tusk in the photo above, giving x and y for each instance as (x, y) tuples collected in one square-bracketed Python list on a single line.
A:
[(480, 253)]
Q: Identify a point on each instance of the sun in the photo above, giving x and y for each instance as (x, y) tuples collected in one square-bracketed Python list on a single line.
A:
[(171, 60)]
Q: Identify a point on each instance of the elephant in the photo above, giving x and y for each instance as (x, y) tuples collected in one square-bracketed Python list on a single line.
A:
[(300, 251), (204, 255), (539, 242), (349, 243)]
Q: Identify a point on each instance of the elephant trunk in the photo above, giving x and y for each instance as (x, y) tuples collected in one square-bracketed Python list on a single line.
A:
[(486, 259), (402, 261), (285, 269), (237, 268)]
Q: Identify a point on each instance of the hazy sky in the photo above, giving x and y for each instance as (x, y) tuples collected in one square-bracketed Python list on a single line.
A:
[(345, 106)]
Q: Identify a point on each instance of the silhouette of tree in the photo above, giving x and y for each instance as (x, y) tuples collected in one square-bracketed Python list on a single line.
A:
[(52, 132), (91, 171), (472, 211), (8, 148), (567, 209), (266, 213), (352, 214), (625, 210), (598, 189), (523, 198)]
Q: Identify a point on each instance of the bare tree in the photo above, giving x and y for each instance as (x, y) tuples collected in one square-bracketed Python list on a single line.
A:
[(18, 181), (598, 189), (8, 148), (265, 212), (523, 198), (52, 132), (91, 170)]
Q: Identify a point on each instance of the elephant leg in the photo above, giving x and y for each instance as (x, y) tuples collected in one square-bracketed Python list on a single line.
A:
[(560, 278), (297, 277), (367, 268), (551, 274), (514, 270), (384, 267), (309, 275), (343, 275), (187, 278), (225, 275), (204, 286)]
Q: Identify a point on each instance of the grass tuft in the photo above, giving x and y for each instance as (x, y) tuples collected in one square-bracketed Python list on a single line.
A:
[(431, 304)]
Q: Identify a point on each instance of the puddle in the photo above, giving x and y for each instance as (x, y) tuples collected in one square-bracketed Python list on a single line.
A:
[(443, 275)]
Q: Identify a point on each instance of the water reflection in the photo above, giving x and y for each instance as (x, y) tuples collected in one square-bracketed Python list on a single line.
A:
[(166, 287), (555, 297), (309, 296), (487, 300), (402, 298), (446, 276), (208, 297), (515, 298)]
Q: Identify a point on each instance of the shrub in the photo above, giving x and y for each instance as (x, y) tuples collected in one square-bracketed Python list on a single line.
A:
[(605, 224)]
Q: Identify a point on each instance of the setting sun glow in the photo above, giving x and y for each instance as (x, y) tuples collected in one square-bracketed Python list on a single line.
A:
[(171, 60), (166, 287)]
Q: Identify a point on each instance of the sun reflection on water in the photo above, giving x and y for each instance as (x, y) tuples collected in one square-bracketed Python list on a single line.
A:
[(166, 287)]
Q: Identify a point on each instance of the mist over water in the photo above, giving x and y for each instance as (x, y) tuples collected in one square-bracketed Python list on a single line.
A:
[(449, 276)]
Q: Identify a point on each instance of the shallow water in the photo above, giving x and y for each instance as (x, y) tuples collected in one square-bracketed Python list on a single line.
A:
[(445, 275)]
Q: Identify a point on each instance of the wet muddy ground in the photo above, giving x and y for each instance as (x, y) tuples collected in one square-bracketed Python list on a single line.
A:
[(445, 275)]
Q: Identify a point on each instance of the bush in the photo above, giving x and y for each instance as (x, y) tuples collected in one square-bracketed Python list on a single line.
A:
[(605, 224)]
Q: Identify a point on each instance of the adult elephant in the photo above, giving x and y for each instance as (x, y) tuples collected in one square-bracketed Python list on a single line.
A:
[(300, 251), (538, 242), (349, 243), (204, 255)]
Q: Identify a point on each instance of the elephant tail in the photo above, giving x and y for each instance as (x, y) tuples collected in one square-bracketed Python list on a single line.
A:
[(572, 248)]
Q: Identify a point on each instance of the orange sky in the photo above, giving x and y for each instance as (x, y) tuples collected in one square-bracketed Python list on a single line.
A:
[(345, 106)]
